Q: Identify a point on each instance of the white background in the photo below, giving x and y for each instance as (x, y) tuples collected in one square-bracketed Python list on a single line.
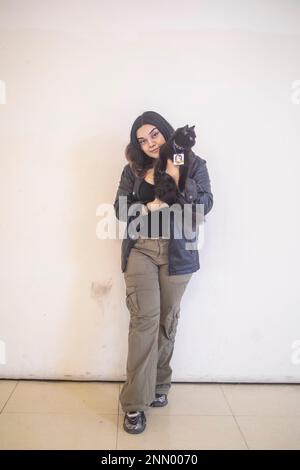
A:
[(76, 74)]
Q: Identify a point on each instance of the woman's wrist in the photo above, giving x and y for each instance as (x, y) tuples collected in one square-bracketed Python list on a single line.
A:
[(156, 204), (145, 209)]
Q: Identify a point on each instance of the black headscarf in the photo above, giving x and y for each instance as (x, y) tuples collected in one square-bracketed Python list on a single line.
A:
[(150, 117)]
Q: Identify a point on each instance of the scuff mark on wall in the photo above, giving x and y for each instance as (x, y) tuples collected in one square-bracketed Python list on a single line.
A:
[(99, 290)]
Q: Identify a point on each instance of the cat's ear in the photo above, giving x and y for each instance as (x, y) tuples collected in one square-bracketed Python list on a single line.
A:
[(192, 127), (186, 126)]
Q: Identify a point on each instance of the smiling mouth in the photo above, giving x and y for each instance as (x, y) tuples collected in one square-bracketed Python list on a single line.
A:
[(155, 150)]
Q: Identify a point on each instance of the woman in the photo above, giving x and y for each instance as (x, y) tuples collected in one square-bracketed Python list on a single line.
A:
[(157, 266)]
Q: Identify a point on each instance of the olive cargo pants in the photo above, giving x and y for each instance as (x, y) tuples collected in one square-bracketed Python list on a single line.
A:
[(153, 300)]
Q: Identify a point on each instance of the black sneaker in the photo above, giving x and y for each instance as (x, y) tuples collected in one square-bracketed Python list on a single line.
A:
[(160, 400), (134, 422)]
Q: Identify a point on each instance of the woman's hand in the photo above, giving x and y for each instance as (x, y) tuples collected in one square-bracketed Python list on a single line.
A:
[(156, 204)]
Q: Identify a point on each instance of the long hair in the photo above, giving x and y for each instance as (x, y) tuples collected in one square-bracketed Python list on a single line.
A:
[(137, 159)]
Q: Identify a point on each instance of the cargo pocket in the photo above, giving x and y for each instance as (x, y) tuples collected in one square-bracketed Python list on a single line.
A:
[(171, 322), (131, 299)]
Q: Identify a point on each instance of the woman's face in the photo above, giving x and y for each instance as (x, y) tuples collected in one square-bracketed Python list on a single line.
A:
[(150, 139)]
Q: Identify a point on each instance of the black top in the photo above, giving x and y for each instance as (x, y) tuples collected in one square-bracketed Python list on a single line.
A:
[(154, 217), (146, 192)]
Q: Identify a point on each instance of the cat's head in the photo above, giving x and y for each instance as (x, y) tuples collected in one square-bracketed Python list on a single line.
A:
[(185, 137)]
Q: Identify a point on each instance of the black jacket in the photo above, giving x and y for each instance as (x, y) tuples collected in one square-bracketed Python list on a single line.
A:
[(197, 190)]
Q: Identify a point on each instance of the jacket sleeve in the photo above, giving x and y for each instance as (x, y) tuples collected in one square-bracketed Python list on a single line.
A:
[(125, 191), (197, 187)]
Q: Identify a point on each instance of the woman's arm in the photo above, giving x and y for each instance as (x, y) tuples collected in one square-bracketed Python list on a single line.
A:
[(156, 204), (125, 191), (197, 186)]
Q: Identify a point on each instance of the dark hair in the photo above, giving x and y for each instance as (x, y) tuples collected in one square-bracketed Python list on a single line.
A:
[(138, 160)]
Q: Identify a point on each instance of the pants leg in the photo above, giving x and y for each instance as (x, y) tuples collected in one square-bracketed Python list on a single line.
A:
[(153, 299), (171, 292), (143, 302)]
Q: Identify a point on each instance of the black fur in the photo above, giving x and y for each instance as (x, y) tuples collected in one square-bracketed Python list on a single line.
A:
[(181, 141)]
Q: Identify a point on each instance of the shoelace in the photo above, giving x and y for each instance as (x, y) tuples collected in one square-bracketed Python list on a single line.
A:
[(160, 398), (133, 416)]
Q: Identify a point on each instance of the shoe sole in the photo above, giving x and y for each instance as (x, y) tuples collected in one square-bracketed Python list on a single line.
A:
[(134, 431), (159, 404)]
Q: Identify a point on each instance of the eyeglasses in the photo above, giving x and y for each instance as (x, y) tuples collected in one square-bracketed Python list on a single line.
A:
[(154, 134)]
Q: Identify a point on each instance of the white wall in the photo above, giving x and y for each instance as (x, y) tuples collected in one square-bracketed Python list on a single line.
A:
[(76, 74)]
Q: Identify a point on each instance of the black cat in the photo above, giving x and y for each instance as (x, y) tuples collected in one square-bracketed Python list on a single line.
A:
[(178, 149)]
